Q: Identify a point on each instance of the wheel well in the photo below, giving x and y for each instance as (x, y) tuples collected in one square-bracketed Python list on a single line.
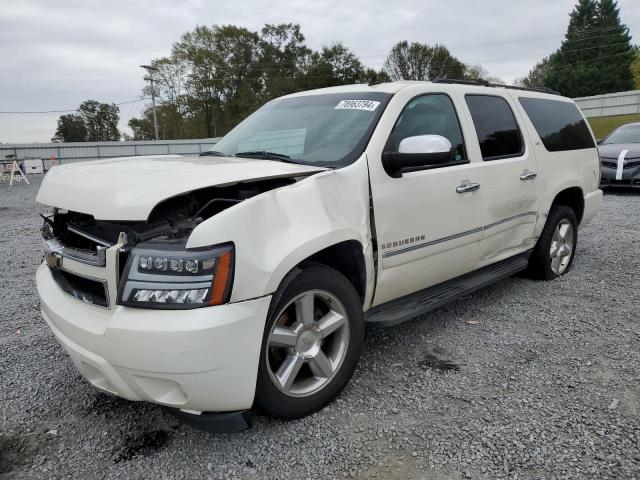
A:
[(347, 258), (573, 198)]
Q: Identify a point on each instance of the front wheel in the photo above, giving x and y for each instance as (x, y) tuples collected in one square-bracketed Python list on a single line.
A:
[(555, 250), (312, 342)]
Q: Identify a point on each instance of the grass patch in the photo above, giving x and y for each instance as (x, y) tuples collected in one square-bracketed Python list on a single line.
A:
[(602, 126)]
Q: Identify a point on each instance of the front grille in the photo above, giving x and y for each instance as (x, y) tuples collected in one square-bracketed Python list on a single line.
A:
[(90, 256), (632, 164), (628, 164), (77, 239), (88, 290)]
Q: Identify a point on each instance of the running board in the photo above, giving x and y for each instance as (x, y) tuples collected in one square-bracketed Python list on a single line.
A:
[(418, 303)]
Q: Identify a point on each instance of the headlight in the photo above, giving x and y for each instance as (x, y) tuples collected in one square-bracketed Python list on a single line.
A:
[(177, 279)]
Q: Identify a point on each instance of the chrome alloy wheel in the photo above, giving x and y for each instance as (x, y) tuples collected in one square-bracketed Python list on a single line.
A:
[(307, 343), (561, 246)]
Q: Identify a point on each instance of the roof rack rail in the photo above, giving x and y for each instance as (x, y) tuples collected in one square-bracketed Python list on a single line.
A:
[(476, 81), (485, 83)]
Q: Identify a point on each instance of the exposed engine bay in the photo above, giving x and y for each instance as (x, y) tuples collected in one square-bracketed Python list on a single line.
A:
[(170, 222)]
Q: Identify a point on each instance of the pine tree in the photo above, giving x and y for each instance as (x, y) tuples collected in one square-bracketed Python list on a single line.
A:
[(615, 70), (635, 69), (596, 54)]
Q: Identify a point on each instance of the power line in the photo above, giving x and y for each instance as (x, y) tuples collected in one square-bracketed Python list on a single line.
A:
[(303, 76), (73, 110), (583, 62), (274, 66), (587, 35), (501, 59), (150, 71), (253, 68)]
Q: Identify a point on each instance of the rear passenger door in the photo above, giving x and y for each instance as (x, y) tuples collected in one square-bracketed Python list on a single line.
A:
[(507, 173)]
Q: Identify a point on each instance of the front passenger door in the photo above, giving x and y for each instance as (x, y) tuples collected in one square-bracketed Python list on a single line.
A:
[(427, 227)]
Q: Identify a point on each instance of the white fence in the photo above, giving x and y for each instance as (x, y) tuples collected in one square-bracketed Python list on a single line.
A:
[(79, 151), (622, 103)]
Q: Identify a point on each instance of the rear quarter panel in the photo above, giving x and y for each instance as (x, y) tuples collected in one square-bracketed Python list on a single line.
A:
[(558, 171)]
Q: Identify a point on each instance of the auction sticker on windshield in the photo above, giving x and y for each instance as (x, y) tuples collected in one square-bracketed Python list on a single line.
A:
[(369, 105)]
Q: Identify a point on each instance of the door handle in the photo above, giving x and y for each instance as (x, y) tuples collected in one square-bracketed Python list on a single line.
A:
[(468, 187), (528, 175)]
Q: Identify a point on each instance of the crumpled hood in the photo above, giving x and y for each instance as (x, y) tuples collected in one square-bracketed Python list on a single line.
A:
[(128, 188), (613, 150)]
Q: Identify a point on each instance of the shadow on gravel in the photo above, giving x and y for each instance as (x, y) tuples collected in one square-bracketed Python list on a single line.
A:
[(137, 444), (142, 444), (433, 362), (528, 356), (109, 406), (17, 451)]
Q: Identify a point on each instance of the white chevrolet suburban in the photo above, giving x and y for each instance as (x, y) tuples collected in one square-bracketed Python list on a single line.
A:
[(245, 277)]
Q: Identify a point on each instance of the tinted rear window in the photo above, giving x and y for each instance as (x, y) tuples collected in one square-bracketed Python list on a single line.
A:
[(560, 125), (496, 127)]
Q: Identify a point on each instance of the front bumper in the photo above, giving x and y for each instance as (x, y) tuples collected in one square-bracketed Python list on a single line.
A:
[(204, 359), (626, 177)]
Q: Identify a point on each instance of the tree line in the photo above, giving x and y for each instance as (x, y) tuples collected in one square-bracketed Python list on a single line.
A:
[(596, 56), (93, 122), (216, 75)]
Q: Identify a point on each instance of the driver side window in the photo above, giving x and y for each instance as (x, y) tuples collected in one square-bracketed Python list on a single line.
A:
[(431, 114)]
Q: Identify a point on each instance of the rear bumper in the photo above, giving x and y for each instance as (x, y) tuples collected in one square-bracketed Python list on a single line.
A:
[(204, 359), (592, 203)]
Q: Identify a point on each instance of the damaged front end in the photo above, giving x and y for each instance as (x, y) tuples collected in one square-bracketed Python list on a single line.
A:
[(146, 264)]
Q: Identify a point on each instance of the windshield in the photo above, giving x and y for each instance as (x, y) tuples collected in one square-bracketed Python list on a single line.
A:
[(626, 134), (325, 130)]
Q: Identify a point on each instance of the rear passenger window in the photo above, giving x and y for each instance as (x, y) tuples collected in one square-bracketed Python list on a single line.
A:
[(497, 130), (560, 125)]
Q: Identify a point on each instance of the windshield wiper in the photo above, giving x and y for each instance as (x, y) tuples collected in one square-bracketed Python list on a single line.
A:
[(264, 154), (213, 153)]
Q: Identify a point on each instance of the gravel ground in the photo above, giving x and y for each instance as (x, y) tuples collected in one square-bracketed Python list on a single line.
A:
[(521, 380)]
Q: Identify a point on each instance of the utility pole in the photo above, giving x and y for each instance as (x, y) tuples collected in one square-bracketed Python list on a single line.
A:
[(150, 71)]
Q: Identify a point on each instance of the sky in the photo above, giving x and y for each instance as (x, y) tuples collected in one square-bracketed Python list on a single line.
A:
[(56, 54)]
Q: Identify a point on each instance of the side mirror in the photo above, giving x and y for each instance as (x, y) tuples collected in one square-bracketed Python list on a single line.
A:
[(425, 144), (418, 153)]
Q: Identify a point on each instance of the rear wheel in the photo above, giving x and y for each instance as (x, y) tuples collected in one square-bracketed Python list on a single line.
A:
[(555, 250), (312, 342)]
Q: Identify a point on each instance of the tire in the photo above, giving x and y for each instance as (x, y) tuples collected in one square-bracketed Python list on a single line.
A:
[(295, 341), (544, 266)]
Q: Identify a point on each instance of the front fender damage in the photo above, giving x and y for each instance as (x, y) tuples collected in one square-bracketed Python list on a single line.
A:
[(275, 231)]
